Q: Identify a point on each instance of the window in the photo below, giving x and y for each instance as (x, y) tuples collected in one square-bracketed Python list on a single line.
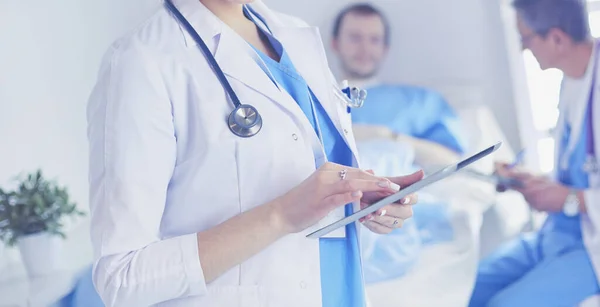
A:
[(544, 89)]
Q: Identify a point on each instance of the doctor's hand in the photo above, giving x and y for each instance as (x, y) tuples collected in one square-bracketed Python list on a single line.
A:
[(390, 217), (328, 188), (544, 194), (504, 170)]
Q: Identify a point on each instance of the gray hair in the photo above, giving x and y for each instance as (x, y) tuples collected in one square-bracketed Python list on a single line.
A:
[(570, 16)]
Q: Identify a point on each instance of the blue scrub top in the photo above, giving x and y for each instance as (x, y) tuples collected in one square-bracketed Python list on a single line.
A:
[(574, 177), (413, 111), (341, 275)]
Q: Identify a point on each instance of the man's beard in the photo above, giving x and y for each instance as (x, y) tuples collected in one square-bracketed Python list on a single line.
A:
[(350, 73)]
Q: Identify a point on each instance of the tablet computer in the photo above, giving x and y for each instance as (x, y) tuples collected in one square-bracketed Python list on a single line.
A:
[(428, 180), (499, 181)]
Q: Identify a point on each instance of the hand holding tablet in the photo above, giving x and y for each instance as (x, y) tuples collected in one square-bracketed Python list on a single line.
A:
[(406, 191)]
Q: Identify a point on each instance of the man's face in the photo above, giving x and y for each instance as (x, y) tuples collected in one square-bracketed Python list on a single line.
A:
[(361, 44), (547, 50)]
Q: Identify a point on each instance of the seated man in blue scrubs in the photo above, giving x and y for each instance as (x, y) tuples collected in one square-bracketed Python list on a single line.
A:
[(418, 116), (556, 265)]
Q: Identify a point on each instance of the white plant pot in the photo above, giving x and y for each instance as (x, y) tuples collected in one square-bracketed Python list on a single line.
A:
[(41, 254), (3, 259)]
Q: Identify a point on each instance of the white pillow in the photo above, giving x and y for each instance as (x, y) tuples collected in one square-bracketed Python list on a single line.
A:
[(482, 130)]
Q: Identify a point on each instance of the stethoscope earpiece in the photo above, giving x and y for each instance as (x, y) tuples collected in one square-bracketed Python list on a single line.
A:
[(244, 121)]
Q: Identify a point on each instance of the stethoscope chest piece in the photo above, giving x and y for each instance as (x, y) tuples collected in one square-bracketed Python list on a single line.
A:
[(357, 97), (245, 121)]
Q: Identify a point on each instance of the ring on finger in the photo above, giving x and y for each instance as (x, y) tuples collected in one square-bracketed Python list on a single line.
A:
[(343, 174)]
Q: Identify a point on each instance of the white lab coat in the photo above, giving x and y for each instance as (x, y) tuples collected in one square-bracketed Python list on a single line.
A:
[(577, 102), (164, 165)]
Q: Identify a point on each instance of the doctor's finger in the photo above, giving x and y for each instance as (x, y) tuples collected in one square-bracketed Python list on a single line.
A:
[(337, 200), (388, 221), (536, 192), (352, 185), (352, 172), (376, 227), (404, 181), (409, 200), (335, 172), (365, 175), (395, 211), (330, 166), (534, 184)]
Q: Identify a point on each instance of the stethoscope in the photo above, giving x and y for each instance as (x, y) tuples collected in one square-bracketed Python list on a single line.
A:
[(245, 121)]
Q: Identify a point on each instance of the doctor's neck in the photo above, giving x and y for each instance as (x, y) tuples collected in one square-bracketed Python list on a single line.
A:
[(577, 60), (229, 11)]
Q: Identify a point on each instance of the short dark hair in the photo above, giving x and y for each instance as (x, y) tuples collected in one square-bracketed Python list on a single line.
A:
[(361, 9), (570, 16)]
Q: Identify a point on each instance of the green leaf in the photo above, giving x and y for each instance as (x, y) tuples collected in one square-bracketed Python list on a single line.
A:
[(36, 205)]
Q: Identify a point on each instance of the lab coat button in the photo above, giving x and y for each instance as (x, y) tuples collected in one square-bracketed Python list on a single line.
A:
[(303, 285), (295, 137)]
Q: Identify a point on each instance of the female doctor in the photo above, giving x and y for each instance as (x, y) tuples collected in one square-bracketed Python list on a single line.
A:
[(559, 265), (217, 144)]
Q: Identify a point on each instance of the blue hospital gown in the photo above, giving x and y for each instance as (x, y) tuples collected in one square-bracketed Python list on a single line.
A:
[(413, 111)]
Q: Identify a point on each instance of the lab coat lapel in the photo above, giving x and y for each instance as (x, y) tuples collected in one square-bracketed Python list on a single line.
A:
[(235, 56), (577, 127), (232, 53), (304, 46), (591, 220), (580, 109)]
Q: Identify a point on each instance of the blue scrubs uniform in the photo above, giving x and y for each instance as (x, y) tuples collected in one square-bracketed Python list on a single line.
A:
[(341, 275), (412, 111), (548, 268)]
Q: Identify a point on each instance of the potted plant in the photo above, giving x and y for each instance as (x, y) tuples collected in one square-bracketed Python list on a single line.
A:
[(31, 217)]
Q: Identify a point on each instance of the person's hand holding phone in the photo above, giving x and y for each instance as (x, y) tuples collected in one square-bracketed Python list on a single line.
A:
[(510, 177)]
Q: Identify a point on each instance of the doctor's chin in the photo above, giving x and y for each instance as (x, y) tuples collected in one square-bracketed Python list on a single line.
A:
[(263, 153)]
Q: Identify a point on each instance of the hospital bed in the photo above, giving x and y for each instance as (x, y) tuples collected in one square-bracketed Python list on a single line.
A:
[(481, 220)]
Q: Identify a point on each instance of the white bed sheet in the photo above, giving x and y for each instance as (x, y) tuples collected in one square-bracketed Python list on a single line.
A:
[(445, 273)]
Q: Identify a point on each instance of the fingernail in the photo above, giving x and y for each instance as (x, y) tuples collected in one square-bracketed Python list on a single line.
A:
[(371, 218), (383, 212), (355, 193), (406, 201), (384, 184), (394, 186)]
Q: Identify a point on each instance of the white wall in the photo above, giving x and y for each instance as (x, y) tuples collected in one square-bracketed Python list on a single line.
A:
[(49, 57)]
